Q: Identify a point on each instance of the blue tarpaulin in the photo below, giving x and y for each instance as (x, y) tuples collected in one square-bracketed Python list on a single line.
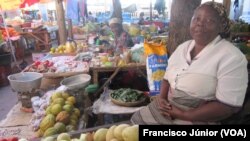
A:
[(73, 11)]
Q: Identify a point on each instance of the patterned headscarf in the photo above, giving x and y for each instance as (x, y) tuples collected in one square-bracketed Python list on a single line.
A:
[(221, 10)]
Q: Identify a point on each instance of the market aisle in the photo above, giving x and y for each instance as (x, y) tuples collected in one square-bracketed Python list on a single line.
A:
[(8, 99)]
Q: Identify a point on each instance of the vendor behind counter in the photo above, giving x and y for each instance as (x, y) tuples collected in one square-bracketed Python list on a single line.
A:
[(122, 41)]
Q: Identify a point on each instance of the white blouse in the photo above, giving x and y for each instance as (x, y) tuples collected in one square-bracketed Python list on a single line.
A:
[(219, 72)]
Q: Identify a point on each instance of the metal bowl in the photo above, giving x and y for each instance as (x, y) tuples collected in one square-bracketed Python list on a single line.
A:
[(25, 81), (76, 81)]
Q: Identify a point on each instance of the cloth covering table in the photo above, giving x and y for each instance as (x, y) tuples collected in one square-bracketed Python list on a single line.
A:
[(104, 105)]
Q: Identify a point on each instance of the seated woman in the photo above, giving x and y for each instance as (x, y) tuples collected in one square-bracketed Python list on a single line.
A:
[(123, 41), (122, 38), (206, 78)]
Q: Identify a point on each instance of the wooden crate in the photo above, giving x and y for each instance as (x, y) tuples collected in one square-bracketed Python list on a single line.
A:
[(52, 80), (50, 83)]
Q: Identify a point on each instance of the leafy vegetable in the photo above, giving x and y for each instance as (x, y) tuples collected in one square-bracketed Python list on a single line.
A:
[(127, 95)]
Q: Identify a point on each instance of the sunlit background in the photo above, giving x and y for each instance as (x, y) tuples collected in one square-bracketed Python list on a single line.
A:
[(105, 5), (102, 6)]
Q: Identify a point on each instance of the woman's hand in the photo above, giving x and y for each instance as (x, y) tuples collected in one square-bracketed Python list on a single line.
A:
[(168, 110), (176, 113), (164, 106), (210, 111)]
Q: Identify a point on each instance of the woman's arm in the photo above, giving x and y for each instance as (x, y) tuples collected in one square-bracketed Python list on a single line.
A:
[(164, 89), (162, 99), (210, 111)]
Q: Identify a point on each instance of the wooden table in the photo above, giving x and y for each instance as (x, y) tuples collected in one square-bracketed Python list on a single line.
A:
[(42, 38), (97, 70)]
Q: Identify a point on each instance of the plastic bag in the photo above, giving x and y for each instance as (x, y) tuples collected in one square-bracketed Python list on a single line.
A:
[(156, 63)]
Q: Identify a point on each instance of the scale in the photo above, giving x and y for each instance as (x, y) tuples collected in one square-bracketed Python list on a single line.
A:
[(25, 97), (76, 87), (27, 85)]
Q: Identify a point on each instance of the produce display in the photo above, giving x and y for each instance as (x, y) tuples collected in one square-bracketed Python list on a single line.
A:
[(61, 115), (58, 64), (146, 31), (41, 67), (129, 57), (69, 48), (12, 32), (121, 132)]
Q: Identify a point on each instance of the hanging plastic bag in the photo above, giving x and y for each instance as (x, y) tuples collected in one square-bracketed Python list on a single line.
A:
[(156, 64)]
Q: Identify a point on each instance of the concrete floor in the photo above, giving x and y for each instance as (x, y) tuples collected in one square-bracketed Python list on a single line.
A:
[(8, 99)]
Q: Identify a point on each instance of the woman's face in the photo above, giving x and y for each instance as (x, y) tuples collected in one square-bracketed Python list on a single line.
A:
[(116, 29), (205, 25)]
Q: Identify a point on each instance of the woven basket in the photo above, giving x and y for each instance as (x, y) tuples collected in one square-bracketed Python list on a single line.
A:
[(50, 83)]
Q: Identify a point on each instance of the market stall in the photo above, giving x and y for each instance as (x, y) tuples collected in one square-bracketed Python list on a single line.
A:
[(92, 56), (42, 38), (56, 68)]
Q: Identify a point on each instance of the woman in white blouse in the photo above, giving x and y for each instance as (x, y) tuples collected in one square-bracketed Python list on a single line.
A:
[(206, 78)]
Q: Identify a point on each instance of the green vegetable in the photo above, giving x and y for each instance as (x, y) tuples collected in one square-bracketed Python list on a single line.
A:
[(127, 95)]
